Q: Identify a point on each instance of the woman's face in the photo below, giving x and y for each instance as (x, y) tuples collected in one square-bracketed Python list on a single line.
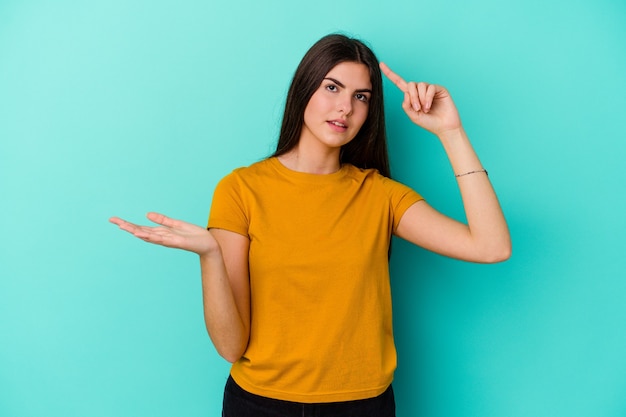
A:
[(339, 107)]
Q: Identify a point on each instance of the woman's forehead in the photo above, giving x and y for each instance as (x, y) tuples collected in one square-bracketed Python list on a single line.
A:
[(351, 74)]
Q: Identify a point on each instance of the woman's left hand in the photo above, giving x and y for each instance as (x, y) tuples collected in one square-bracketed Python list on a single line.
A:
[(429, 106)]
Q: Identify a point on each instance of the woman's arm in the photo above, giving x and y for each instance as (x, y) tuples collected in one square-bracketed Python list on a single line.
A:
[(226, 294), (225, 284), (485, 237)]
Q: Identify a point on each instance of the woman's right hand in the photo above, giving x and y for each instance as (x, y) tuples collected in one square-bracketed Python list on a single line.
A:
[(172, 233)]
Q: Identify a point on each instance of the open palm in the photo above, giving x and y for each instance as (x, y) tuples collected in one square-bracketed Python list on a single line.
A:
[(171, 233)]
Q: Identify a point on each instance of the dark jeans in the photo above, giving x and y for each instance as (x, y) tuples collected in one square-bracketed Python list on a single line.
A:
[(240, 403)]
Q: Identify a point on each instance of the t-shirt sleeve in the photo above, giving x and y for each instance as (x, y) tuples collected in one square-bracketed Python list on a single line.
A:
[(228, 209), (401, 198)]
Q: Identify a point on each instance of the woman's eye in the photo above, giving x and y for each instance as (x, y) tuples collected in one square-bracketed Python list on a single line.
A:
[(361, 97), (331, 87)]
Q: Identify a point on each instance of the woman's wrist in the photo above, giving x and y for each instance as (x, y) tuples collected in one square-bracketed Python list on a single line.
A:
[(452, 135), (454, 139), (211, 251)]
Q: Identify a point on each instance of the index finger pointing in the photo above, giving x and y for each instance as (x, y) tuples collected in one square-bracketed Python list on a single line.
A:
[(395, 78)]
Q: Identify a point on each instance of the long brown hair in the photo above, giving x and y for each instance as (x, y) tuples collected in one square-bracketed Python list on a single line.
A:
[(368, 149)]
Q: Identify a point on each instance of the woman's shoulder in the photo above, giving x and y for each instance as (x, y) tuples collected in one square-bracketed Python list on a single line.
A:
[(244, 179), (380, 182), (365, 174)]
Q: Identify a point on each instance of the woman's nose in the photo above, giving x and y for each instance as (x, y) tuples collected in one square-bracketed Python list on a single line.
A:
[(345, 104)]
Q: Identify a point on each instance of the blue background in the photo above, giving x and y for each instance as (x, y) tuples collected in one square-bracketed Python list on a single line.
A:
[(121, 107)]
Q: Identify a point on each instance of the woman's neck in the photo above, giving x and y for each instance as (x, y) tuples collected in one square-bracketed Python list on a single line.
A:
[(310, 162)]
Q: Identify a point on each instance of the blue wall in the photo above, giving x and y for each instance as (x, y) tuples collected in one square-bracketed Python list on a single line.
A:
[(119, 107)]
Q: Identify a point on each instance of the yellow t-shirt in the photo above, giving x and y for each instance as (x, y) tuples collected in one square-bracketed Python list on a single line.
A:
[(321, 326)]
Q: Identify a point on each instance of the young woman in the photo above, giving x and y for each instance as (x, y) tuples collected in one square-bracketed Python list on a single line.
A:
[(295, 257)]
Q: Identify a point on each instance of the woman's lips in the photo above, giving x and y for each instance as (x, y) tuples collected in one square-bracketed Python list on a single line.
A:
[(338, 125)]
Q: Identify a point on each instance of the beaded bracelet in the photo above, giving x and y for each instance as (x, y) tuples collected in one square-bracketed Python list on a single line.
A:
[(472, 172)]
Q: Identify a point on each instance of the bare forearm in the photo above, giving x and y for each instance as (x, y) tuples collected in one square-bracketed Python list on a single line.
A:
[(486, 237), (225, 323), (486, 223)]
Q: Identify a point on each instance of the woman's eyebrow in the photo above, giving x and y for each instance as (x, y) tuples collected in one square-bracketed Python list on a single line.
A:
[(340, 84)]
